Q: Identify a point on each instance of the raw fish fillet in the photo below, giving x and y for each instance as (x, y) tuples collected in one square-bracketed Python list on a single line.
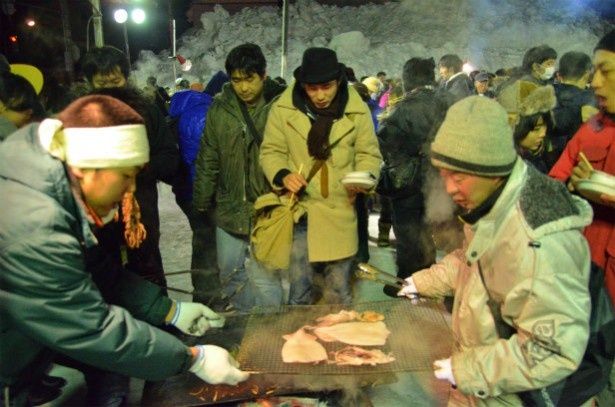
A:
[(355, 333), (332, 319), (301, 347), (347, 316), (356, 356)]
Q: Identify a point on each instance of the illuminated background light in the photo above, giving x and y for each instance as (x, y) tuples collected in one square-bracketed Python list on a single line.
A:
[(120, 15), (138, 15)]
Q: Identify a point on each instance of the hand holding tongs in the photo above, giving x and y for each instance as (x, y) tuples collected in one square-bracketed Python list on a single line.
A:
[(369, 272)]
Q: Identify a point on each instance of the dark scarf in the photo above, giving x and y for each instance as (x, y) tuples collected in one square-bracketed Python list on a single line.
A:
[(474, 215), (322, 119)]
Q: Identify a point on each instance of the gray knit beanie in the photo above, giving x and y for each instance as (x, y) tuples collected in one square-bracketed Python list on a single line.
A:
[(475, 138)]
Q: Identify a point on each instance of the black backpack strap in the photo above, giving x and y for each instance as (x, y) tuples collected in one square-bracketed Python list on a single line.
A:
[(504, 330)]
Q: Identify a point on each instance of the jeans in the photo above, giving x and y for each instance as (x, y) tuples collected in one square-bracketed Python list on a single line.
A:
[(233, 255), (335, 287)]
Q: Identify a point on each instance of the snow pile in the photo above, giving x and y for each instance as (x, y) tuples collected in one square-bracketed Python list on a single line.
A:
[(491, 34)]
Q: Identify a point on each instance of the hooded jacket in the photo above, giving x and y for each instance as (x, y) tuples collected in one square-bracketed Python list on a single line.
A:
[(228, 176), (402, 139), (535, 263), (332, 227), (48, 301)]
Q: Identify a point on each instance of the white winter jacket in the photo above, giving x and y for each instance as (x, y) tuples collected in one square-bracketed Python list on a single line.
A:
[(535, 263)]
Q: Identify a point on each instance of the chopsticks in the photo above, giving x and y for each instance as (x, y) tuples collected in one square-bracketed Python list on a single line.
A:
[(292, 196), (583, 158)]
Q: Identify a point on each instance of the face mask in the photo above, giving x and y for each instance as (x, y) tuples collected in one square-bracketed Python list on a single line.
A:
[(110, 216), (548, 73)]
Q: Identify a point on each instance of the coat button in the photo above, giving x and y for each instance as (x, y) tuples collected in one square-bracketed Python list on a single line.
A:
[(480, 393), (473, 254), (469, 263)]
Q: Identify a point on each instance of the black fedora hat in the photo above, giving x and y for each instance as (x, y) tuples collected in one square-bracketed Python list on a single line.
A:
[(319, 65)]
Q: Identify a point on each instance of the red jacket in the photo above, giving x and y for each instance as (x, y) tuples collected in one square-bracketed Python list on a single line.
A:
[(596, 139)]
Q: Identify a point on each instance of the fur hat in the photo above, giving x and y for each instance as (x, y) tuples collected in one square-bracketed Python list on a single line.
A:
[(319, 65), (524, 98), (475, 138), (372, 83)]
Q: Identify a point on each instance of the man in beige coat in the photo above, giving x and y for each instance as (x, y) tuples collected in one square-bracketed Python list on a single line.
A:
[(318, 119), (520, 281)]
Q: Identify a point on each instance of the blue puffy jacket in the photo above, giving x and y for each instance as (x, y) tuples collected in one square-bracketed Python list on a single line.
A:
[(190, 108)]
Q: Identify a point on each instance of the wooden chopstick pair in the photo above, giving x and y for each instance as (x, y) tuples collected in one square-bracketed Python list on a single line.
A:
[(292, 196), (583, 158)]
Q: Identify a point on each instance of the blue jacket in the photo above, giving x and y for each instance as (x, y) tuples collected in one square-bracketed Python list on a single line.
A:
[(190, 108)]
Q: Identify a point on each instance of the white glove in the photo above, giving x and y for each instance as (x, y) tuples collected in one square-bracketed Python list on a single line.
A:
[(195, 319), (215, 365), (444, 370), (409, 290)]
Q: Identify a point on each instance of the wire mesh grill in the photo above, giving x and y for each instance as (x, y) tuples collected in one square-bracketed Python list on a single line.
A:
[(419, 335)]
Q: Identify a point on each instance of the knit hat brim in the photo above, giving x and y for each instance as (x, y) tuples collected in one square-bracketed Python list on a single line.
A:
[(449, 163), (475, 138)]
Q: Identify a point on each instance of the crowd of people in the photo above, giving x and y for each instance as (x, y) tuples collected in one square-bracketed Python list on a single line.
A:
[(83, 282)]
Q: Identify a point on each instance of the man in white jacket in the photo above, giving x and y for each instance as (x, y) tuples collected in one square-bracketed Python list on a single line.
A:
[(521, 308)]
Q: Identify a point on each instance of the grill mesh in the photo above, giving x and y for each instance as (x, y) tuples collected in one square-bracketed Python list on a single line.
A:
[(419, 335)]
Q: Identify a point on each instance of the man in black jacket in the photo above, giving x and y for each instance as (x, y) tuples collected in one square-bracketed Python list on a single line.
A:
[(402, 139), (575, 102), (453, 79), (106, 70)]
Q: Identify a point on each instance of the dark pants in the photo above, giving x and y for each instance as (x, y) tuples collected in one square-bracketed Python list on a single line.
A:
[(204, 262), (415, 248), (360, 205), (104, 388), (386, 212)]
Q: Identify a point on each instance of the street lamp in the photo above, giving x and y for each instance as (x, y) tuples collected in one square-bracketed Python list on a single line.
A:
[(121, 17)]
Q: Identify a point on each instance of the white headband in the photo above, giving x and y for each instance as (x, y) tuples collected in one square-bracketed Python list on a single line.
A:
[(95, 147)]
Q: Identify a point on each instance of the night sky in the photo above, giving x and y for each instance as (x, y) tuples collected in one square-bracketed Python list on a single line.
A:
[(43, 44)]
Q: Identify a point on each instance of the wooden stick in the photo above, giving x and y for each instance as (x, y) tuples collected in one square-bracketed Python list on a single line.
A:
[(585, 160), (292, 196)]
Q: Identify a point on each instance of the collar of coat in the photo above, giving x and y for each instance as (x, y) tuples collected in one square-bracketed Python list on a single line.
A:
[(301, 123), (228, 98), (546, 207)]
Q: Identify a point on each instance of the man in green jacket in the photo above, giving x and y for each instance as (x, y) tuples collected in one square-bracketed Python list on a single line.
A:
[(228, 175), (60, 180)]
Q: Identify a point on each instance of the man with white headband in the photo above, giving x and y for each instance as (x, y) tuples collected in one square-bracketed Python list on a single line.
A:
[(59, 180)]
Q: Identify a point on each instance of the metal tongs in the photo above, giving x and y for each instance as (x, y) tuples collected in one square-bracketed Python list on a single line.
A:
[(368, 272)]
